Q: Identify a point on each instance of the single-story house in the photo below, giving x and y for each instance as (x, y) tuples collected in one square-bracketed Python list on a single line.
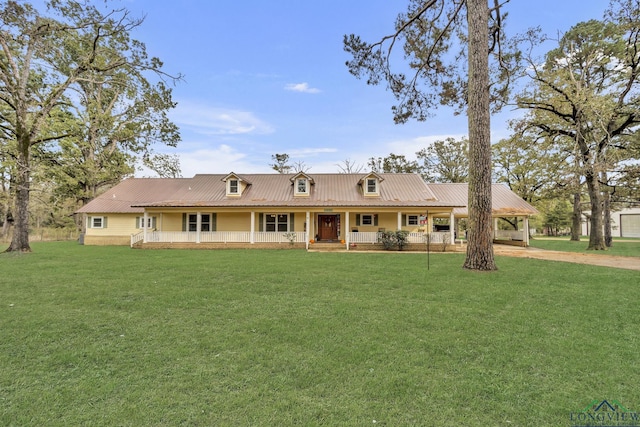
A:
[(301, 210)]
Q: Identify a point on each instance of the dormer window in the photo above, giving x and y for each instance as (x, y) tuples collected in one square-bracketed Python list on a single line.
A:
[(235, 185), (371, 184), (301, 184)]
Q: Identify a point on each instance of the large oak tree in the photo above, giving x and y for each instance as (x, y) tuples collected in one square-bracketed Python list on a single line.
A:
[(44, 60)]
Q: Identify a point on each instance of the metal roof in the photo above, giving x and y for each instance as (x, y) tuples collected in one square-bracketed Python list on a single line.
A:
[(272, 190), (503, 200)]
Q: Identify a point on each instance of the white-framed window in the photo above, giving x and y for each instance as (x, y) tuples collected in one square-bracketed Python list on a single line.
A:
[(234, 186), (372, 185), (276, 222), (97, 222), (413, 220), (151, 222), (302, 186)]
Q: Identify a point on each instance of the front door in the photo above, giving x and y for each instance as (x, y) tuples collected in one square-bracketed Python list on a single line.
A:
[(327, 227)]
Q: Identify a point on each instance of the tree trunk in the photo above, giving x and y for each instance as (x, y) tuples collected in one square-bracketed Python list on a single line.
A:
[(606, 215), (596, 238), (20, 239), (480, 239), (576, 216)]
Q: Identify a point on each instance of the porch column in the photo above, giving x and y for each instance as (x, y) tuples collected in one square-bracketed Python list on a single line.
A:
[(307, 230), (145, 218), (252, 238), (526, 230), (198, 225), (347, 230), (399, 220), (495, 227), (452, 230)]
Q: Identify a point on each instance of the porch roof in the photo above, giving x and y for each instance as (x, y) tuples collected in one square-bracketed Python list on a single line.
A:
[(504, 202)]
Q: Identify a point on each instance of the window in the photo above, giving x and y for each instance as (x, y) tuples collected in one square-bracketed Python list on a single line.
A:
[(412, 220), (372, 185), (205, 222), (276, 222), (151, 222), (301, 186), (97, 222), (366, 219), (233, 186)]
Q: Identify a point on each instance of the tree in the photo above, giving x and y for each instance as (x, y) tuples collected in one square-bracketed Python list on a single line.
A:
[(446, 161), (349, 166), (393, 163), (588, 90), (281, 163), (427, 31), (43, 61)]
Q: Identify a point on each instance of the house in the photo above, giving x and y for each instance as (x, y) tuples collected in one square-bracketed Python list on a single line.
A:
[(284, 210)]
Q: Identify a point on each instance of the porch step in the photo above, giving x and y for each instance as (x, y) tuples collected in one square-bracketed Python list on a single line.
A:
[(327, 246)]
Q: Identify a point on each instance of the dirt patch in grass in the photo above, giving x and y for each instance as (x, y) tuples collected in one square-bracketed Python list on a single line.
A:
[(629, 263)]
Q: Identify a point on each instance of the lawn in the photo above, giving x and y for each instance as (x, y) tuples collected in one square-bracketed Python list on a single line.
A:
[(113, 336), (620, 247)]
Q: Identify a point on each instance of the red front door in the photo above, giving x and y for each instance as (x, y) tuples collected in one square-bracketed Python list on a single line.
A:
[(327, 227)]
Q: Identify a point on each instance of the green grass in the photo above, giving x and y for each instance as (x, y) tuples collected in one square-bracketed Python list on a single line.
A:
[(114, 336), (620, 247)]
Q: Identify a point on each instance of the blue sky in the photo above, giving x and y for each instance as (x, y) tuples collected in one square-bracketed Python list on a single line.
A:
[(265, 77)]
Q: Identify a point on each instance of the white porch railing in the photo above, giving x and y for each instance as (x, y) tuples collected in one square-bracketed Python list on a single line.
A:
[(220, 237), (374, 237), (509, 235), (135, 238)]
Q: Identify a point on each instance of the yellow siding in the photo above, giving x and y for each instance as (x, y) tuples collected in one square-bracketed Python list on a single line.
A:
[(170, 221), (235, 221), (117, 225)]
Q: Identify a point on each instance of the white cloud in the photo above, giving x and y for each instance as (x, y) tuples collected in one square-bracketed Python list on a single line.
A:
[(221, 159), (301, 87), (310, 152), (409, 147), (207, 120)]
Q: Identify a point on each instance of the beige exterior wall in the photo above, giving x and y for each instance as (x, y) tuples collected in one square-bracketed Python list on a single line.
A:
[(169, 221), (234, 221), (116, 225)]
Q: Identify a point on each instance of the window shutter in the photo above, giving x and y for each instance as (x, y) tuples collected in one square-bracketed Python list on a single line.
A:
[(89, 223), (260, 221), (375, 219), (404, 219), (214, 222), (291, 222), (184, 222), (138, 222), (358, 219), (153, 222), (104, 222)]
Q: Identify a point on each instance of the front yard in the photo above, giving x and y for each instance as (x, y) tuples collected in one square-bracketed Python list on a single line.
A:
[(115, 336)]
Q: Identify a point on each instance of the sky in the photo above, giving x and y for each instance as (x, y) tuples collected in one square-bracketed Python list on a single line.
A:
[(265, 77)]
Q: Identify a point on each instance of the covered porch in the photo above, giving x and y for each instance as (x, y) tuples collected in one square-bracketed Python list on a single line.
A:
[(299, 229)]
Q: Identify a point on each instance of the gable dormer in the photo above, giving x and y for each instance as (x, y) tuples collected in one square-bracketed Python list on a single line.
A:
[(235, 184), (371, 184), (301, 184)]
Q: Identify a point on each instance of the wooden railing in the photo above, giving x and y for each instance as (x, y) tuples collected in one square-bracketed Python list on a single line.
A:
[(510, 235)]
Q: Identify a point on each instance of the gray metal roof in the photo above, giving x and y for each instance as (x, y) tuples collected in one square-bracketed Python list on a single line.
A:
[(503, 200), (271, 190)]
